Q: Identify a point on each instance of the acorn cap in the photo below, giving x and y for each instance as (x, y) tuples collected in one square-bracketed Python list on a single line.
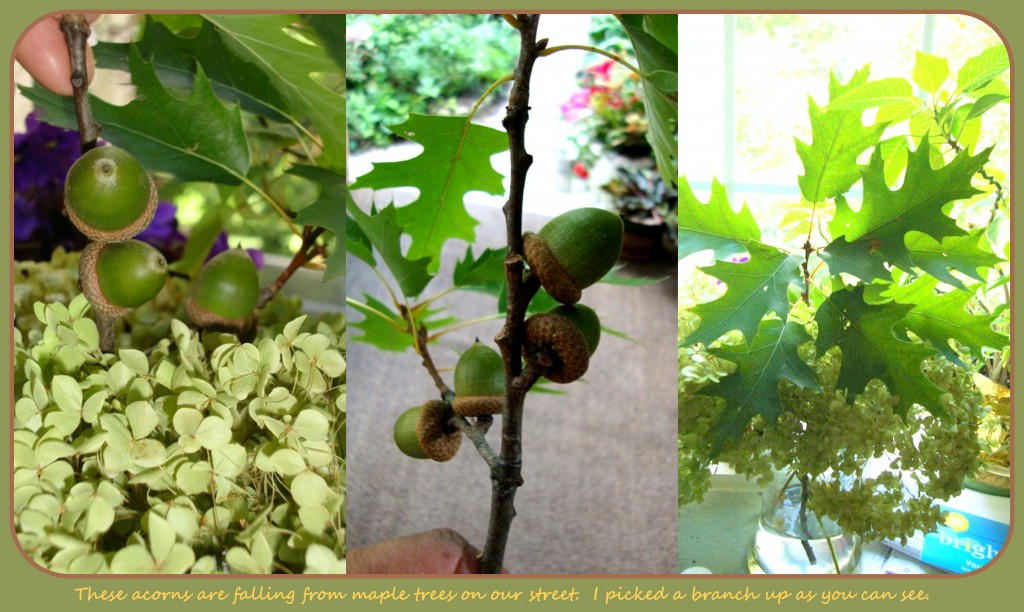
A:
[(479, 382), (438, 439), (557, 347), (585, 319), (573, 251), (225, 292), (108, 195), (119, 276)]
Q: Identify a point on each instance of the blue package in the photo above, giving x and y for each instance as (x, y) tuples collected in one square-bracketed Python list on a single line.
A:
[(964, 543)]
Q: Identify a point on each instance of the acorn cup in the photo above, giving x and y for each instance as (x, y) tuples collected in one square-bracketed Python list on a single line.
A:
[(479, 382), (108, 195), (560, 341), (573, 251), (224, 293), (119, 276), (423, 432)]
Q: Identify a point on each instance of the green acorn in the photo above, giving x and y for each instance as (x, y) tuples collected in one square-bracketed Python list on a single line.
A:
[(479, 382), (225, 292), (423, 432), (573, 251), (585, 319), (119, 276), (560, 342), (108, 195)]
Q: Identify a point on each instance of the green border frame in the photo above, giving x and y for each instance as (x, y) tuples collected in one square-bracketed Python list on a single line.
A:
[(22, 585)]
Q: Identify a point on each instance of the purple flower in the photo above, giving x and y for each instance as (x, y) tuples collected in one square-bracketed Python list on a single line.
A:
[(163, 232), (42, 156)]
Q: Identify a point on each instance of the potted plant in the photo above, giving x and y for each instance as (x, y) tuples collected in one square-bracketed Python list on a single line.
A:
[(647, 206), (841, 368)]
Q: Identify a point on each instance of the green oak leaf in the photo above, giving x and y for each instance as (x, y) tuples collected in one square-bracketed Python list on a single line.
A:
[(753, 389), (296, 69), (871, 349), (486, 273), (381, 229), (838, 137), (386, 329), (326, 211), (713, 225), (874, 94), (961, 253), (937, 318), (886, 216), (655, 44), (197, 138), (456, 159), (175, 57), (930, 72), (754, 287), (978, 71)]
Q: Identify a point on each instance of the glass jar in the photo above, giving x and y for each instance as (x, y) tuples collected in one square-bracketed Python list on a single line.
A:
[(792, 539)]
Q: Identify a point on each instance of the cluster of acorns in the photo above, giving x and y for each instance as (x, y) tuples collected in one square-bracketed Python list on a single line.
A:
[(571, 252), (110, 198)]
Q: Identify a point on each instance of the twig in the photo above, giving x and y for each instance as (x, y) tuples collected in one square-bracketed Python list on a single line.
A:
[(808, 249), (611, 56), (76, 34), (420, 340), (506, 476), (309, 236), (475, 432)]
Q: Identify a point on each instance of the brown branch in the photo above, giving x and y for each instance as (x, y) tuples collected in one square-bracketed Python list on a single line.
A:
[(475, 432), (506, 476), (76, 34), (808, 249), (301, 258), (420, 341)]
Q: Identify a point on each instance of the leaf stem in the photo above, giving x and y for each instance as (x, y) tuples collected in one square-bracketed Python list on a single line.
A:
[(460, 325), (490, 89), (612, 56), (277, 206), (512, 21), (370, 309)]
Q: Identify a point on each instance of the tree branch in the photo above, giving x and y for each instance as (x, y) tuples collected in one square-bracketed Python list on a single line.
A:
[(475, 432), (305, 252), (506, 475), (76, 34)]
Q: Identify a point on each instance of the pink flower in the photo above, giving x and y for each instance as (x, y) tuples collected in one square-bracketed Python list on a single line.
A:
[(602, 70), (580, 170), (577, 107)]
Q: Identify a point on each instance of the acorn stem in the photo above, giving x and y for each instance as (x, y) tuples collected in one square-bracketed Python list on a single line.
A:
[(76, 33), (301, 257)]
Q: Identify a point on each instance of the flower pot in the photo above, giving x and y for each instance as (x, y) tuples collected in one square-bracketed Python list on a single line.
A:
[(792, 539), (990, 478), (646, 240)]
